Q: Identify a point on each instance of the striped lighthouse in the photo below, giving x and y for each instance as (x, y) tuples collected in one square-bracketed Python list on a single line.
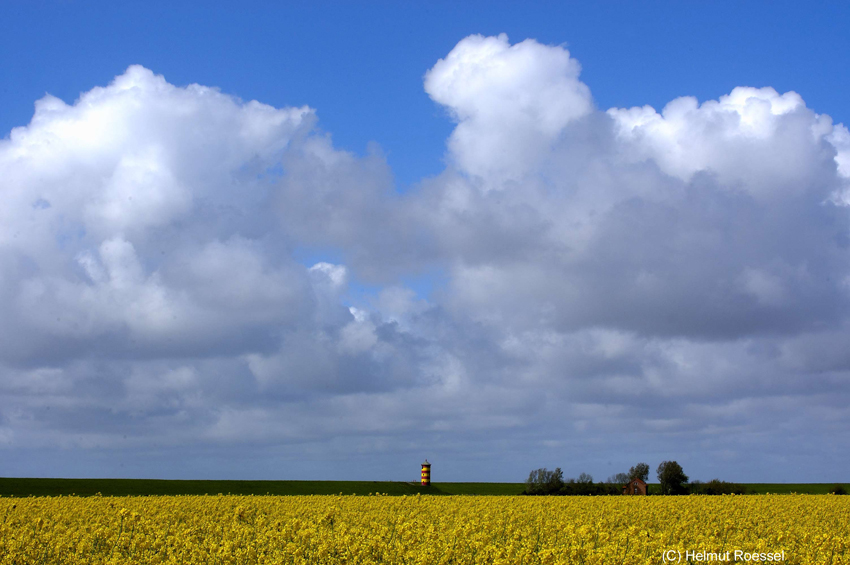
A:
[(426, 474)]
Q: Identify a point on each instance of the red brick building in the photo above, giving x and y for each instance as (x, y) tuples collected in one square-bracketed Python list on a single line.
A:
[(635, 486)]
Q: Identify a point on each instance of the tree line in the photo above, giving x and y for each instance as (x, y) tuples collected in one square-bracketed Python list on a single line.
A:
[(672, 480)]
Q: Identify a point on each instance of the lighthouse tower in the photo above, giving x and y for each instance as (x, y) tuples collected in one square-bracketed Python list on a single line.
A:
[(426, 474)]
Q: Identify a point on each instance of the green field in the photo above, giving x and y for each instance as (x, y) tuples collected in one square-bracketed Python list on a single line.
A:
[(779, 488), (140, 487), (789, 488)]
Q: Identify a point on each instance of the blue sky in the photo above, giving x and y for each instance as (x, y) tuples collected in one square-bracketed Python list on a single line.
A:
[(292, 240), (361, 64)]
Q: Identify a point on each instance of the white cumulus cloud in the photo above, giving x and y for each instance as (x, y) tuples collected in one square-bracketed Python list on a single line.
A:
[(673, 279), (510, 102)]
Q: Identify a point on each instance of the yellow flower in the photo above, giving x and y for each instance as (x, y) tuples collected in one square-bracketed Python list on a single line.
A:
[(419, 529)]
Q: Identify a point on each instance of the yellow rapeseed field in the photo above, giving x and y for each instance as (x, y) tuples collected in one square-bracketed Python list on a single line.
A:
[(424, 529)]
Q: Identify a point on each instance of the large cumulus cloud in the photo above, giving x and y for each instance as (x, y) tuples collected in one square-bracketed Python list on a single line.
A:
[(148, 285), (608, 285)]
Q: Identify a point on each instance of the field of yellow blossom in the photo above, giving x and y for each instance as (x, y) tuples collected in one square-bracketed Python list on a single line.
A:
[(809, 529)]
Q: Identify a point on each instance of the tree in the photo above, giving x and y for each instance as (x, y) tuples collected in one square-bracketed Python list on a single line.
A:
[(672, 478), (584, 486), (639, 471), (619, 479), (543, 481), (716, 486)]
